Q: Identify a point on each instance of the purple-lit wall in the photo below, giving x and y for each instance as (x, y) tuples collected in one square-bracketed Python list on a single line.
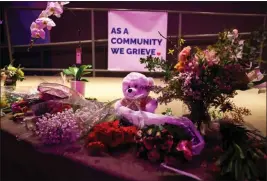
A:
[(68, 24)]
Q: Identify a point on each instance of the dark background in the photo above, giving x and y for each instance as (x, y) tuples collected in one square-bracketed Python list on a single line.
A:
[(68, 25)]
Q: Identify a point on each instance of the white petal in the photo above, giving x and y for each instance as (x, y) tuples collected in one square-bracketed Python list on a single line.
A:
[(42, 34), (49, 27), (44, 14), (64, 3), (51, 23), (57, 15), (33, 25)]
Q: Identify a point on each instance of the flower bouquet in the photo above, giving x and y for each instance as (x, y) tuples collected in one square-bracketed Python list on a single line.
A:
[(163, 144), (210, 78), (59, 115), (10, 75), (108, 135)]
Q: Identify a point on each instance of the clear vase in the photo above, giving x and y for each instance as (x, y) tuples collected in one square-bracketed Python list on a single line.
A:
[(10, 83), (197, 111)]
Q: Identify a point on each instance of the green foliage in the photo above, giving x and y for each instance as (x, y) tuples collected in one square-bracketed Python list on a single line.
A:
[(154, 64), (78, 72), (242, 148)]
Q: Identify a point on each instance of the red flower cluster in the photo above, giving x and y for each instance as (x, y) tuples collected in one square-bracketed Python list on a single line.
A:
[(162, 146), (109, 135), (54, 107)]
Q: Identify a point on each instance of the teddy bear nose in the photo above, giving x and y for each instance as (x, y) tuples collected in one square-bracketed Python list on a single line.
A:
[(130, 90)]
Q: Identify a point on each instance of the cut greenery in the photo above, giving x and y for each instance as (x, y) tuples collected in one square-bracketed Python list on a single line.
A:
[(77, 73)]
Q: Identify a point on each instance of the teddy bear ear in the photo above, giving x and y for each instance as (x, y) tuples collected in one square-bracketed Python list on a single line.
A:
[(150, 81)]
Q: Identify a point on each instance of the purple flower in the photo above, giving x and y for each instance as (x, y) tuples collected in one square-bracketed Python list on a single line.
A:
[(58, 128)]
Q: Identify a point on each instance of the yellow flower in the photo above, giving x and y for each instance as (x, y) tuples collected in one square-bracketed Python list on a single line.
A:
[(170, 51), (11, 68), (20, 73), (3, 102), (179, 66)]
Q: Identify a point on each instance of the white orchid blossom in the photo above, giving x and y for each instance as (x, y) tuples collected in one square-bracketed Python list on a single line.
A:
[(54, 8), (44, 14), (45, 23), (62, 3), (36, 31)]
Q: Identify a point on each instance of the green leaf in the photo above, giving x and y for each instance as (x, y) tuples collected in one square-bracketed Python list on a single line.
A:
[(240, 151), (67, 72), (74, 70), (237, 169), (253, 168), (81, 71), (225, 156), (84, 80), (247, 172), (230, 166), (86, 73)]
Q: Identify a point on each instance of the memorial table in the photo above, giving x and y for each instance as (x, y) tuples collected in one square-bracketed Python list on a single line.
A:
[(26, 159)]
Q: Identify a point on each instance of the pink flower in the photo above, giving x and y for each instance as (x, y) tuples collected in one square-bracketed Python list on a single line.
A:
[(184, 54), (211, 58), (186, 147), (55, 8), (235, 33), (45, 23), (36, 31), (44, 14)]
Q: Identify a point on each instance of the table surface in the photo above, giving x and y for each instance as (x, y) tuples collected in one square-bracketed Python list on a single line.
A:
[(124, 165)]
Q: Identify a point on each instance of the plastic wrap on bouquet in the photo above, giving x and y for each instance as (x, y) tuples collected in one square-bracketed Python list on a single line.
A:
[(67, 118), (142, 118)]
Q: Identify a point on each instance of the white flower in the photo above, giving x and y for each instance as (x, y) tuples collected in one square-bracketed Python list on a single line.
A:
[(45, 22), (240, 48), (36, 31), (63, 3), (44, 14), (54, 8)]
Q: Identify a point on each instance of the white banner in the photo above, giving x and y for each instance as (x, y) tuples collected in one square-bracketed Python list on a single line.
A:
[(133, 35)]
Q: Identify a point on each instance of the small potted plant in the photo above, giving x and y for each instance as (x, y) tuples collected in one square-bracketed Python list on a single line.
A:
[(77, 82), (10, 75)]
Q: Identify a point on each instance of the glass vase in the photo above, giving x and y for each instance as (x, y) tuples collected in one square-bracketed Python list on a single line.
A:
[(197, 111), (10, 83)]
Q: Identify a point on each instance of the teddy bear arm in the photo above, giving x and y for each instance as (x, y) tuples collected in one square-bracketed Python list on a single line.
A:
[(117, 105), (152, 105)]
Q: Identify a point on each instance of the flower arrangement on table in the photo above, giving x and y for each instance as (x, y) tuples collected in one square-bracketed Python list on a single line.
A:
[(205, 79), (210, 78), (10, 75)]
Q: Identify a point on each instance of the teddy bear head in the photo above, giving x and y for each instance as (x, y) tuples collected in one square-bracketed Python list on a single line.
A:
[(136, 85)]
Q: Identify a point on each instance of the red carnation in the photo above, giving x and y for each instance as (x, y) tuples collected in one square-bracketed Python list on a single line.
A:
[(167, 145), (218, 149), (153, 155), (117, 137), (129, 133), (115, 123), (214, 168), (149, 142), (104, 135), (95, 148), (91, 137)]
